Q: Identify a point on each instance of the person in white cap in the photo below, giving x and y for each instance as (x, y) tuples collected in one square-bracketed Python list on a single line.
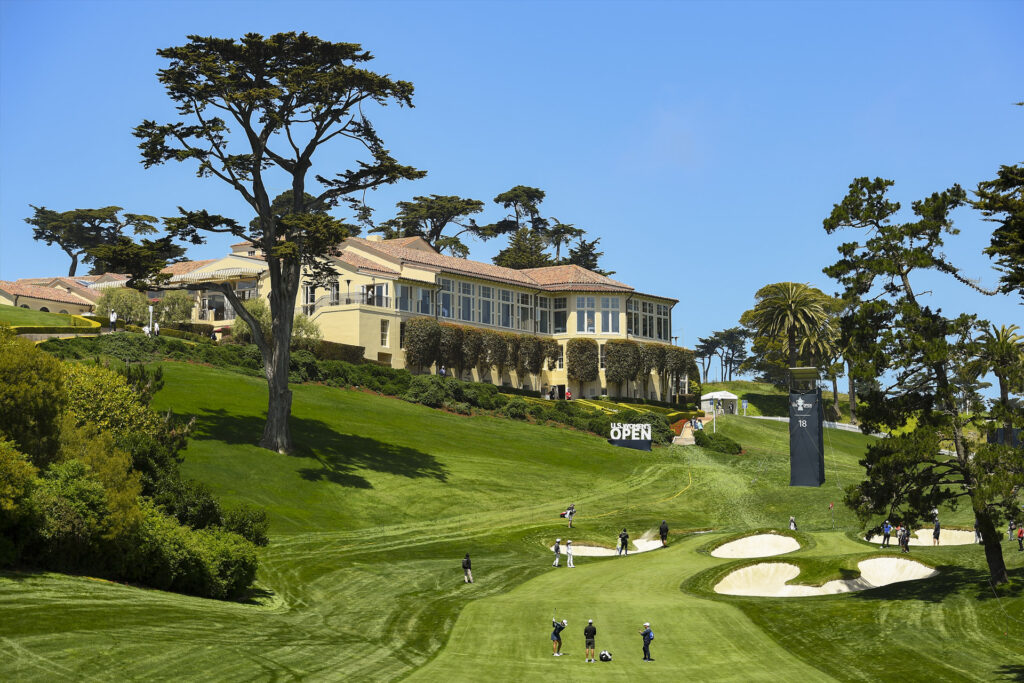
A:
[(589, 632), (648, 636), (556, 636), (558, 551), (568, 555)]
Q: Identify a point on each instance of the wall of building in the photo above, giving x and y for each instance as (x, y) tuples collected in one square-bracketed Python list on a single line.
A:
[(39, 304)]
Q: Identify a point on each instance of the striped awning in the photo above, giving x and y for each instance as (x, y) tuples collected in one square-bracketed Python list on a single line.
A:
[(221, 274)]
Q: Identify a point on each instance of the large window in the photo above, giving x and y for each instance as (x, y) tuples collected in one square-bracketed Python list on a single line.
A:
[(647, 319), (384, 327), (404, 297), (308, 299), (486, 305), (505, 308), (560, 315), (561, 357), (334, 288), (610, 314), (632, 317), (525, 318), (423, 301), (663, 328), (585, 314), (447, 299), (543, 315), (466, 301), (604, 358)]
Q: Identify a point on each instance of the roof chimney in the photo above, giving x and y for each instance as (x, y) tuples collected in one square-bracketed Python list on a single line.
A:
[(374, 238)]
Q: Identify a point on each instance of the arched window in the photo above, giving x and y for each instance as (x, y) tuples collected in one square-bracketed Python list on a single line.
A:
[(24, 305), (44, 309), (63, 312)]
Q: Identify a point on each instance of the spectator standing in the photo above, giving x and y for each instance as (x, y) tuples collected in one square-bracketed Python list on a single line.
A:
[(467, 569), (558, 551), (977, 534), (113, 321), (1010, 529), (935, 532), (589, 633), (156, 330), (648, 636), (568, 555), (886, 532), (663, 532), (623, 543), (792, 523), (1020, 538)]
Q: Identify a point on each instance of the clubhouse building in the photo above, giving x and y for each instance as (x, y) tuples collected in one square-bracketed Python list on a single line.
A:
[(381, 284)]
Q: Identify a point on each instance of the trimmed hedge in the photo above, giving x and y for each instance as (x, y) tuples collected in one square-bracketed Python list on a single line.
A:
[(55, 329), (716, 442), (581, 359)]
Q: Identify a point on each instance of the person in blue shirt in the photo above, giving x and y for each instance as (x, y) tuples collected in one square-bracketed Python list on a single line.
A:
[(886, 532), (648, 636), (556, 636)]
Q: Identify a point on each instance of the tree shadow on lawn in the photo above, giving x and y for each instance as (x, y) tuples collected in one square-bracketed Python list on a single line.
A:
[(951, 579), (339, 454), (1011, 672)]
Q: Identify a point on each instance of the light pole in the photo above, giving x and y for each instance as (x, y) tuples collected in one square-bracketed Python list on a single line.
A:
[(151, 319)]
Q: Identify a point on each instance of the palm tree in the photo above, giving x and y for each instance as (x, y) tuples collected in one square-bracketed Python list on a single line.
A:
[(1002, 352), (791, 309)]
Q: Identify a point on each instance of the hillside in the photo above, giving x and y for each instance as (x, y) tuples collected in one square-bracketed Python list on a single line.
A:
[(765, 399), (372, 513)]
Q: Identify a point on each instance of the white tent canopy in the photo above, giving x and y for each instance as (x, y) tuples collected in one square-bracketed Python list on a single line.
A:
[(726, 400)]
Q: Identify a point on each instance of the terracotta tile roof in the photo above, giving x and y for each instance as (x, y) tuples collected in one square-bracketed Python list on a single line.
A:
[(405, 241), (77, 287), (551, 278), (44, 293), (361, 263), (556, 276), (183, 267), (487, 271)]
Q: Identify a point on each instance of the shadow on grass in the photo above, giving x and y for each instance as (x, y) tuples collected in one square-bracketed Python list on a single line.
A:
[(1011, 672), (338, 455), (951, 579), (255, 596)]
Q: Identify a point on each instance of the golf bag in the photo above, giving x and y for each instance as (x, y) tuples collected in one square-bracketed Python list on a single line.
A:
[(605, 656), (561, 514)]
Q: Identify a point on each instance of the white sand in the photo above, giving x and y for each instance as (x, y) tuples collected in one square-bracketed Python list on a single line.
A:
[(644, 544), (761, 545), (770, 579), (924, 537)]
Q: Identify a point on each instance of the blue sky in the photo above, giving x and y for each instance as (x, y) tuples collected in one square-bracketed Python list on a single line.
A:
[(703, 142)]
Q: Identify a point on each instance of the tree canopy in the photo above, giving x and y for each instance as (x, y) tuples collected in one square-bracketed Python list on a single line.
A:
[(429, 217), (80, 231)]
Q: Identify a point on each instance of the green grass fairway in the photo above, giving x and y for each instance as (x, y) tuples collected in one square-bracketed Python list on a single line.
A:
[(372, 513), (22, 316)]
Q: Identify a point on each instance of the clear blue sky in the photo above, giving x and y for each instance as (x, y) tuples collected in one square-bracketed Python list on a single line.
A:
[(703, 142)]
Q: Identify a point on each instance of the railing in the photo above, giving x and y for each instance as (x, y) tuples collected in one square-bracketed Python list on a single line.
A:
[(360, 298)]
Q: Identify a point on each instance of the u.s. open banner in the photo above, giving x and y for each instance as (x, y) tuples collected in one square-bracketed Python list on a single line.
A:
[(628, 435)]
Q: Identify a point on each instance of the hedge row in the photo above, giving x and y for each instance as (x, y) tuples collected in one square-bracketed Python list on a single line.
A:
[(54, 329), (716, 442)]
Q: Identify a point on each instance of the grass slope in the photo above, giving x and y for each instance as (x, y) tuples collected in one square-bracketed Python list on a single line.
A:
[(765, 399), (15, 316), (373, 511)]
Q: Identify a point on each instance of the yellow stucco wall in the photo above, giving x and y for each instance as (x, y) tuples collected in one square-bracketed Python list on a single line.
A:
[(39, 304)]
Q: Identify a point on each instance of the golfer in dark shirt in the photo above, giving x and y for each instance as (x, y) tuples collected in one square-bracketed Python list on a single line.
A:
[(623, 543), (556, 636), (648, 636), (588, 635), (663, 530)]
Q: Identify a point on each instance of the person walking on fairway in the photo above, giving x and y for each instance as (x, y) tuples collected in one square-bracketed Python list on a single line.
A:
[(568, 555), (792, 523), (589, 632), (663, 532), (886, 533), (556, 636), (648, 636), (570, 512), (558, 551), (467, 569), (623, 543)]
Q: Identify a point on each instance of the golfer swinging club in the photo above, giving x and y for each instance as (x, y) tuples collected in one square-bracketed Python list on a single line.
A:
[(556, 637)]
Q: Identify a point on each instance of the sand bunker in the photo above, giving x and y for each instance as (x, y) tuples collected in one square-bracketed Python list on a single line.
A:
[(770, 579), (761, 545), (924, 537), (644, 544)]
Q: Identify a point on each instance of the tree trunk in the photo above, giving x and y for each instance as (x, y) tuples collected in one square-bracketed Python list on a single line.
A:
[(284, 278), (836, 415), (791, 336), (852, 396), (992, 539), (74, 264)]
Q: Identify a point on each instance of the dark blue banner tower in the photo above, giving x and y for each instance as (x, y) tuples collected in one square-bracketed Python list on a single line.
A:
[(806, 425)]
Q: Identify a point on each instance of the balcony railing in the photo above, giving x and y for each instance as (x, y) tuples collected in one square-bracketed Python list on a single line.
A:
[(361, 298)]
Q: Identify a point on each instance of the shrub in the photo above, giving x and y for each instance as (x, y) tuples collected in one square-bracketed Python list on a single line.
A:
[(68, 509), (131, 305), (459, 407), (189, 502), (422, 342), (716, 442), (427, 390), (349, 353), (472, 347), (31, 396), (303, 367), (450, 346), (515, 408), (17, 476), (174, 307), (622, 360), (248, 522), (103, 397), (581, 359)]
